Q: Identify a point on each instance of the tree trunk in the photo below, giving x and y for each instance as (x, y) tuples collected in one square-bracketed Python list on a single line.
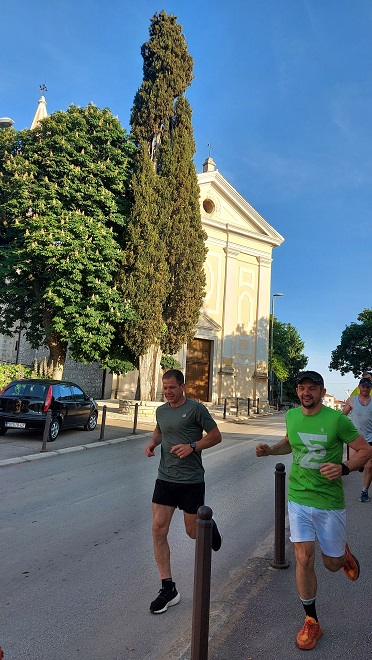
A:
[(149, 367), (57, 356)]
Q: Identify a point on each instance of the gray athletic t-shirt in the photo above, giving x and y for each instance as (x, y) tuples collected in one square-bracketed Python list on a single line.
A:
[(182, 425)]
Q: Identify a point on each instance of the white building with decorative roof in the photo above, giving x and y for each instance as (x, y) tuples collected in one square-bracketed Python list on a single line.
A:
[(228, 356)]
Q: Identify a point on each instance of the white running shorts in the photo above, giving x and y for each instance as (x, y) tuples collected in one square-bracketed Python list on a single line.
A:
[(308, 523)]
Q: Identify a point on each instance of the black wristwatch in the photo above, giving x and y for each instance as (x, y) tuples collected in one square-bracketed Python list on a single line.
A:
[(345, 469), (193, 445)]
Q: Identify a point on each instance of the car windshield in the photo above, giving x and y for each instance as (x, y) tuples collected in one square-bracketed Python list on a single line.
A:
[(35, 390)]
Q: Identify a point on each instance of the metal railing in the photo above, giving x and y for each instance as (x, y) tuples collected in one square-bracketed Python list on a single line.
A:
[(240, 406)]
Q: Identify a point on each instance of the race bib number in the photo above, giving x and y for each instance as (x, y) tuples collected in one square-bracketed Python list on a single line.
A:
[(315, 452)]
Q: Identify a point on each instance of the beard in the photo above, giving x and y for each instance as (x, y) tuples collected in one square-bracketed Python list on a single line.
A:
[(309, 404)]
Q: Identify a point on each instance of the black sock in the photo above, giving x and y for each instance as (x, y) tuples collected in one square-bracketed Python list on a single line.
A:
[(167, 583), (216, 537), (309, 607)]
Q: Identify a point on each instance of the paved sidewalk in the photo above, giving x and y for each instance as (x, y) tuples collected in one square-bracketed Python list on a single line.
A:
[(264, 613)]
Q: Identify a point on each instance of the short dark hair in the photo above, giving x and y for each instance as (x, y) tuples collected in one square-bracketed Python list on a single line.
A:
[(174, 373)]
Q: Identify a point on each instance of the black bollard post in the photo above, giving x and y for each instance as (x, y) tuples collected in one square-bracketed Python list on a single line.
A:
[(46, 430), (224, 409), (249, 407), (135, 419), (237, 407), (258, 406), (103, 423), (279, 549), (202, 584)]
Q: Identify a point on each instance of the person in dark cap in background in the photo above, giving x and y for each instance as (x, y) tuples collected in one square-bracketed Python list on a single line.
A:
[(315, 436), (360, 408), (365, 374)]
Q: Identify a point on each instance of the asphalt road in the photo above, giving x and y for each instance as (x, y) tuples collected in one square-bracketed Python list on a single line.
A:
[(78, 572)]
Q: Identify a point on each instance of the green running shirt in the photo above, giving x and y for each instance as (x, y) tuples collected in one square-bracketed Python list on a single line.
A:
[(317, 439)]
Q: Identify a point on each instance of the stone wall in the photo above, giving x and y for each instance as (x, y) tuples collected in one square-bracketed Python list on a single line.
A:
[(88, 376), (146, 409)]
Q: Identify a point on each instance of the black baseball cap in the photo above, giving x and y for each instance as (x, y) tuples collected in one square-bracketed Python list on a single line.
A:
[(366, 381), (312, 375)]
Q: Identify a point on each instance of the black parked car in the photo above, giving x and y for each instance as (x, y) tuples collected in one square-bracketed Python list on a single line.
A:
[(24, 405)]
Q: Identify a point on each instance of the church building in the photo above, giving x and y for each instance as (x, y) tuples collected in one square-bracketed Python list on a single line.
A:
[(228, 355)]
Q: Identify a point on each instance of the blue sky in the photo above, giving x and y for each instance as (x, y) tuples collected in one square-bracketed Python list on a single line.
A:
[(283, 92)]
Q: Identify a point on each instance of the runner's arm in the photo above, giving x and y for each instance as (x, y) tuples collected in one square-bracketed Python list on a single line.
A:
[(347, 407), (361, 455), (280, 448), (154, 442), (210, 439)]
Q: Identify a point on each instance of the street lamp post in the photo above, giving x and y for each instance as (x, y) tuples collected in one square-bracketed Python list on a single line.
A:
[(271, 381)]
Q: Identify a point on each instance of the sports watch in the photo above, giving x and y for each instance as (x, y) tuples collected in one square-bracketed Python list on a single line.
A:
[(193, 445), (345, 469)]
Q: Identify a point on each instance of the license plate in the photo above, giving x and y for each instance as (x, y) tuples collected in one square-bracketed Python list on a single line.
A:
[(15, 425)]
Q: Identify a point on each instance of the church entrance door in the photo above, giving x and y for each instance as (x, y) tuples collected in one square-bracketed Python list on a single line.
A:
[(198, 366)]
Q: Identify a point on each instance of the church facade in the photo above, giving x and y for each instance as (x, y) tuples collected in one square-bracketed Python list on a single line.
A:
[(228, 355)]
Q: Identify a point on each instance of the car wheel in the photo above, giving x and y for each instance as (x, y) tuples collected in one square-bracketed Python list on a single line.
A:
[(91, 423), (3, 431), (53, 430)]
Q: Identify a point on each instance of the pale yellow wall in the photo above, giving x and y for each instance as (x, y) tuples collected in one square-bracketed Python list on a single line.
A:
[(238, 273), (235, 309)]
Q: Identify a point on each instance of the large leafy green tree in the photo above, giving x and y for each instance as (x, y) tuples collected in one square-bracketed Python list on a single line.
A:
[(354, 352), (163, 271), (64, 202), (288, 359)]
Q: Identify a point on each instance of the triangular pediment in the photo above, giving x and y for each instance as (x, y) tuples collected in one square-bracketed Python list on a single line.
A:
[(221, 204), (207, 324)]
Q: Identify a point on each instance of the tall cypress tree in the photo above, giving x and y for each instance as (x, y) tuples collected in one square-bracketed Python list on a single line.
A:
[(163, 274), (184, 236)]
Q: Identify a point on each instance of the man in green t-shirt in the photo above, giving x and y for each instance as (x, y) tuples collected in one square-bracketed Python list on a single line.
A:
[(179, 431), (316, 507)]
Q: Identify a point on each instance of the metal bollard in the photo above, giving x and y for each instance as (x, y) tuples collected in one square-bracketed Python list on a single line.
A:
[(135, 419), (279, 549), (249, 407), (237, 407), (46, 431), (224, 409), (258, 406), (202, 584), (103, 423)]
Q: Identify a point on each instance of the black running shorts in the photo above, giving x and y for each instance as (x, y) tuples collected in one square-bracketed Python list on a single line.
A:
[(187, 497)]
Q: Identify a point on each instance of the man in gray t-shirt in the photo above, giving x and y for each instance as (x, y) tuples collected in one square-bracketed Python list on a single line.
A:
[(180, 483)]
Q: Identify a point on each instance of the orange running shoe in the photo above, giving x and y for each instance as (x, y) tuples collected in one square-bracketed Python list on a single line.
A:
[(351, 566), (309, 634)]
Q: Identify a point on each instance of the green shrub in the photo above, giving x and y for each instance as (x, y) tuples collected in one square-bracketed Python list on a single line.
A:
[(169, 362), (9, 372)]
